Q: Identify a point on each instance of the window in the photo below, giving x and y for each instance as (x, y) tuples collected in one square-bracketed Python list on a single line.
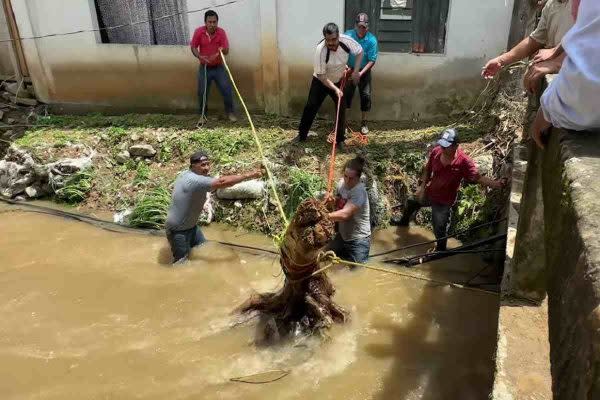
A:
[(417, 26), (145, 22)]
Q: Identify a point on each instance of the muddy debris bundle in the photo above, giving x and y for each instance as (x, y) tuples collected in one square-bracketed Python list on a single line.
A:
[(304, 305)]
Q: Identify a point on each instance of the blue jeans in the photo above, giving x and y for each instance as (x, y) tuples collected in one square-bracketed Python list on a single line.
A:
[(351, 250), (440, 218), (218, 74), (182, 242)]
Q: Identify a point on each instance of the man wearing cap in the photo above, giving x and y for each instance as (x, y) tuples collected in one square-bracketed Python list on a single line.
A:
[(446, 168), (331, 57), (189, 196), (368, 42)]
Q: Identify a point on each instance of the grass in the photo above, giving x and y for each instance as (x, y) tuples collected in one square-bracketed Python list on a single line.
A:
[(302, 185), (151, 210), (76, 188)]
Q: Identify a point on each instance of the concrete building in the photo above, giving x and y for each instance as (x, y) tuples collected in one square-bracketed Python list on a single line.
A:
[(272, 46)]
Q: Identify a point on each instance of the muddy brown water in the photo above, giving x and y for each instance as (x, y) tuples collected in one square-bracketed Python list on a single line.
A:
[(91, 314)]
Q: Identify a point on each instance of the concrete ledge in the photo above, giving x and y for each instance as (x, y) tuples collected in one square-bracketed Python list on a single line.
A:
[(571, 188), (522, 354)]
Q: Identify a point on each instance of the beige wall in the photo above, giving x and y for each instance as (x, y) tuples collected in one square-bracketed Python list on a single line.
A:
[(272, 44), (7, 64)]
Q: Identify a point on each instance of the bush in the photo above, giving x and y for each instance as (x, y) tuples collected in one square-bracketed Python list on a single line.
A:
[(151, 210), (76, 188)]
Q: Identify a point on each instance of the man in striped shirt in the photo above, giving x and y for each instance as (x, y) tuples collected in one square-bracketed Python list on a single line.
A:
[(331, 57)]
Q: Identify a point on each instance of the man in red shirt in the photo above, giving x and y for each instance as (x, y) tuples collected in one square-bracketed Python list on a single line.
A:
[(446, 168), (208, 40)]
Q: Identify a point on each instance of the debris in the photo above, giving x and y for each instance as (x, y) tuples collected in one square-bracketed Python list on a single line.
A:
[(142, 150), (122, 217), (263, 377)]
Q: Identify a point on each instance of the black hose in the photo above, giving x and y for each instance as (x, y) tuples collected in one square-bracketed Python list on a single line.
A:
[(442, 238), (112, 226)]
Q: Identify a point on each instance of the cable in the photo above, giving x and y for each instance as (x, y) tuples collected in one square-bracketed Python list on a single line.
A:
[(108, 28), (384, 253)]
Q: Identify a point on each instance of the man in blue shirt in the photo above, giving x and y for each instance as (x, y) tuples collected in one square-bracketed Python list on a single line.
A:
[(368, 42)]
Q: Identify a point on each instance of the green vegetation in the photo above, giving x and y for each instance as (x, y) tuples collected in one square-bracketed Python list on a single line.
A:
[(302, 185), (142, 173), (469, 207), (76, 188), (151, 210), (222, 145)]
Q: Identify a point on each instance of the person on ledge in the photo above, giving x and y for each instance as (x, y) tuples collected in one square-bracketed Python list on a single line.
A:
[(189, 196), (446, 168)]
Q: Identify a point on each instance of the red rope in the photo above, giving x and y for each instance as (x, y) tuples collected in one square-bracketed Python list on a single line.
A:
[(333, 140)]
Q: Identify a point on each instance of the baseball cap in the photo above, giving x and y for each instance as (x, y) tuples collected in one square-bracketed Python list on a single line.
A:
[(198, 156), (449, 137), (362, 19)]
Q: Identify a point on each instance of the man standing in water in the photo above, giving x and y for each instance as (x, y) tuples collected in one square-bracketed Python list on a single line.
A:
[(438, 187), (189, 196), (206, 44), (331, 57), (353, 239), (368, 42)]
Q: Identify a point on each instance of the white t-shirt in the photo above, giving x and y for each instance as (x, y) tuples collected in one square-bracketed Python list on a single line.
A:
[(572, 99), (334, 69)]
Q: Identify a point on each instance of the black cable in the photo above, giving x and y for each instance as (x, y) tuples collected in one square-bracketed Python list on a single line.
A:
[(433, 241), (106, 225)]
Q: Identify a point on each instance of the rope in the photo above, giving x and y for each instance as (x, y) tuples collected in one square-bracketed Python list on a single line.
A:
[(333, 141), (204, 99), (334, 259), (258, 145)]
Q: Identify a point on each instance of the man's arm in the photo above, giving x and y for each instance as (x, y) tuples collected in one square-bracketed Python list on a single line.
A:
[(230, 180), (345, 213), (525, 48), (549, 54), (424, 180), (492, 183), (371, 55), (535, 73), (320, 69), (225, 44)]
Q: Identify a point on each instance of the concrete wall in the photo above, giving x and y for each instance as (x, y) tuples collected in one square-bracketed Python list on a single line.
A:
[(7, 63), (272, 44)]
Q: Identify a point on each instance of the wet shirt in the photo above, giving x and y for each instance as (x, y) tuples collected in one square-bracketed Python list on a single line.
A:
[(572, 99), (189, 196), (335, 68), (555, 22), (208, 45), (359, 225), (369, 46), (445, 179)]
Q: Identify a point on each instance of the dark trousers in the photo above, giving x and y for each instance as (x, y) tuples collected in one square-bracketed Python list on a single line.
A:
[(351, 250), (316, 95), (440, 218), (182, 242), (205, 77), (364, 91)]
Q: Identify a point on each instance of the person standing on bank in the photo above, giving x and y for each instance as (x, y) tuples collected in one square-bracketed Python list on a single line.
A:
[(207, 43), (438, 187), (189, 196), (331, 57), (368, 42), (353, 239)]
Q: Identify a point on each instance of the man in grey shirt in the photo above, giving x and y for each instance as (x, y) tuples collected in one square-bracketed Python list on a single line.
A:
[(189, 196), (353, 240)]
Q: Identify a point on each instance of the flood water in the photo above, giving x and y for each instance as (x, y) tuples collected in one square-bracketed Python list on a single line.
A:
[(90, 314)]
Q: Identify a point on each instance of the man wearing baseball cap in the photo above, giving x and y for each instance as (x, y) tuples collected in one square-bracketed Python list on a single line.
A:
[(368, 42), (189, 196), (446, 168)]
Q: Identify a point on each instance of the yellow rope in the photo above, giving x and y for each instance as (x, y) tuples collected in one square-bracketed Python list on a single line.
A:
[(258, 144), (334, 259)]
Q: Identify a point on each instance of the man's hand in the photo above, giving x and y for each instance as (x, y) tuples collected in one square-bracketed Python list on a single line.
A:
[(539, 127), (355, 77), (259, 172), (329, 202), (544, 55), (535, 73), (499, 184), (420, 194), (492, 68), (339, 93)]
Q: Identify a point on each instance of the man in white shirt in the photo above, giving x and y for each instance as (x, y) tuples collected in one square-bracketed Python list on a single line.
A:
[(571, 101), (330, 61)]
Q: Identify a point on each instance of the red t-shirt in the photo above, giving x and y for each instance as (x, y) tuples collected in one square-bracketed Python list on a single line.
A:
[(445, 179), (208, 45)]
